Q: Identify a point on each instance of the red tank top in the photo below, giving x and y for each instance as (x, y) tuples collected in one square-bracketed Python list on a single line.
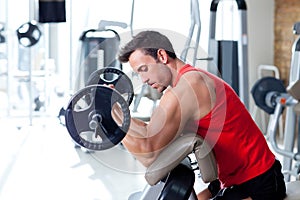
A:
[(240, 148)]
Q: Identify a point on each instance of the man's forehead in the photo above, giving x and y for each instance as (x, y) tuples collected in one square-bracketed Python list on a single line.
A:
[(138, 58)]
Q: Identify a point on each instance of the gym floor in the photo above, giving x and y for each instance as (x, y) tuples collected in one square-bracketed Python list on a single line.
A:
[(40, 161)]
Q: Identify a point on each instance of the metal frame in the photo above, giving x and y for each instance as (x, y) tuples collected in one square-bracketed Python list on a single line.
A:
[(242, 47), (195, 23), (290, 121)]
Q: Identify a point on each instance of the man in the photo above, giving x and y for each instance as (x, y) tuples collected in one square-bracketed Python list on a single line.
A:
[(195, 100)]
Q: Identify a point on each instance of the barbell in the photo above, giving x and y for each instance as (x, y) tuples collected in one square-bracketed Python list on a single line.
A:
[(88, 116)]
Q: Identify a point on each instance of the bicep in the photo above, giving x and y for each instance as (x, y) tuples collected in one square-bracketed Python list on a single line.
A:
[(146, 141), (166, 122)]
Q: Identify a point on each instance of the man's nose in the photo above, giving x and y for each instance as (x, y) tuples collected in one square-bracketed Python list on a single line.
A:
[(144, 79)]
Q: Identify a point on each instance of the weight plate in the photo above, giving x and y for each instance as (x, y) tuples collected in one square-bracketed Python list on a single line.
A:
[(29, 34), (110, 75), (89, 120), (264, 86)]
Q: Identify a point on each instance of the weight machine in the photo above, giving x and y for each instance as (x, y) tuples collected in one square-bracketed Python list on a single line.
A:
[(271, 96), (230, 56)]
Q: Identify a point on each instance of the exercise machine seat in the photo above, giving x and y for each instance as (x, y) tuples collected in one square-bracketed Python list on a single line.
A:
[(177, 151), (293, 190)]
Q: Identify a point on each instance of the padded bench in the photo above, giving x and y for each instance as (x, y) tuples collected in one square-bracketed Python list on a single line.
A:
[(186, 144)]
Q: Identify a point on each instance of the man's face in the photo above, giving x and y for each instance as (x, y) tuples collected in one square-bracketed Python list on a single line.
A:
[(155, 74)]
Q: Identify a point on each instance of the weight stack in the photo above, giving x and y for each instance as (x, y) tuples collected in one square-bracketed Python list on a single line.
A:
[(228, 65)]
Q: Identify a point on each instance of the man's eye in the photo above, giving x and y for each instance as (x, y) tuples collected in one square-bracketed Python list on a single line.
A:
[(143, 68)]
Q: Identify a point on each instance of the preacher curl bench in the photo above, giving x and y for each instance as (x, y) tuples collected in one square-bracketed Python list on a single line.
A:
[(168, 179)]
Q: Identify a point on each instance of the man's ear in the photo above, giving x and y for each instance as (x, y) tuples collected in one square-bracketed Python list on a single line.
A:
[(162, 56)]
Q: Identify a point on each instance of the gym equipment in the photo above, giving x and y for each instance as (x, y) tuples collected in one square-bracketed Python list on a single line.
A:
[(2, 37), (29, 34), (90, 124), (88, 115), (165, 175), (291, 119), (230, 56), (286, 100), (3, 54), (195, 23), (108, 76), (89, 119), (271, 96), (171, 175), (52, 11), (277, 99), (99, 48), (265, 91), (289, 100), (263, 71), (116, 77), (172, 158)]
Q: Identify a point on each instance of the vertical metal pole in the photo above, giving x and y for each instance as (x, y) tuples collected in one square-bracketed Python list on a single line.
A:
[(243, 59), (31, 58), (195, 11), (131, 18), (290, 122), (289, 140), (212, 42), (71, 47), (7, 58), (195, 20)]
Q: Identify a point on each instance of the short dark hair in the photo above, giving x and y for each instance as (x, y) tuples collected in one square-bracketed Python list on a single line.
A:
[(149, 42)]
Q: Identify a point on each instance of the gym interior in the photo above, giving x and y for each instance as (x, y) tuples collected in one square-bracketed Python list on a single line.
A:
[(51, 49)]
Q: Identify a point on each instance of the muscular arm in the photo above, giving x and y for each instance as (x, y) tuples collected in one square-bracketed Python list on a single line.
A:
[(146, 140), (177, 106)]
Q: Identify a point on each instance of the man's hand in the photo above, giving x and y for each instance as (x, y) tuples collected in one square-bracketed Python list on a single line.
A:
[(116, 111), (117, 114)]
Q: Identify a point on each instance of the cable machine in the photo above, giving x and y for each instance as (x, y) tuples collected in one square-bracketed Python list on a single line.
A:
[(230, 56)]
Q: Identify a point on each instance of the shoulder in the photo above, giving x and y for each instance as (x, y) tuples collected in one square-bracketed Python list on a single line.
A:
[(195, 81), (196, 76), (198, 90)]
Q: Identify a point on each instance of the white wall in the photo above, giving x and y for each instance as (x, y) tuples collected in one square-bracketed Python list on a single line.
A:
[(261, 35)]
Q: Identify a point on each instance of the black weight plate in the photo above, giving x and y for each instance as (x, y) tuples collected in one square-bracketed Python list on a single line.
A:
[(95, 102), (29, 34), (262, 87), (111, 75)]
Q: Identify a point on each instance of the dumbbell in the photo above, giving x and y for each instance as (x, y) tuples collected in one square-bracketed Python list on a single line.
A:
[(88, 116)]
